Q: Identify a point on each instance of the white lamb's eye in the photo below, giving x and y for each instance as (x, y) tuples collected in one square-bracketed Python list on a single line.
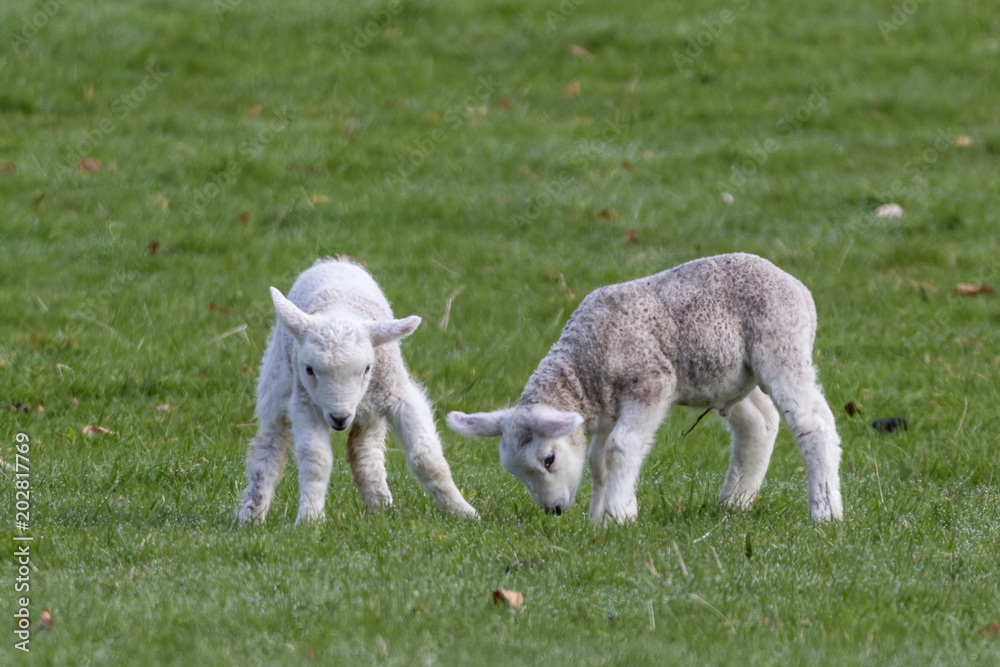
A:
[(310, 372), (549, 460), (367, 369)]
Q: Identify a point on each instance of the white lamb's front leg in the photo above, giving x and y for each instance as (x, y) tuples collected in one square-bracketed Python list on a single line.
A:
[(598, 477), (413, 422), (627, 446), (315, 460)]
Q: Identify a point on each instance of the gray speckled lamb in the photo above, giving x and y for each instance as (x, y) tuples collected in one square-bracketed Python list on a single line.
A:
[(721, 332)]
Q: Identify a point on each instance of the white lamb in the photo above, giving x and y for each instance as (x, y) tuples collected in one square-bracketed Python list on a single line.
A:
[(721, 332), (333, 361)]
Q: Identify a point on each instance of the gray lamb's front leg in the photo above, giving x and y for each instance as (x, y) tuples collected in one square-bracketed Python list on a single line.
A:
[(413, 423), (598, 476), (315, 460), (627, 446)]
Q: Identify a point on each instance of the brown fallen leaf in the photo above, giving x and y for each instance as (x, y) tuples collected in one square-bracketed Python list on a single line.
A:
[(631, 236), (581, 52), (41, 410), (990, 630), (963, 141), (166, 407), (852, 409), (46, 622), (963, 289), (254, 111), (572, 89), (513, 598), (89, 165), (609, 214), (92, 430), (154, 245), (505, 103)]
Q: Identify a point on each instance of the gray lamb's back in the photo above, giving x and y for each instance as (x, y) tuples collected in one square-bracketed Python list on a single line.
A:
[(711, 310)]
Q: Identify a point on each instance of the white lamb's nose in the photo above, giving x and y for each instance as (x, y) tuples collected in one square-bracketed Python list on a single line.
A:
[(339, 423)]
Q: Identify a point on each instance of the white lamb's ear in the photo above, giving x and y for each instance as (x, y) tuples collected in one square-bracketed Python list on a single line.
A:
[(389, 331), (290, 315), (481, 424), (553, 423)]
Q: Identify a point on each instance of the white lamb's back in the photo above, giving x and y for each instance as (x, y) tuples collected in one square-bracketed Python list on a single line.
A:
[(331, 284)]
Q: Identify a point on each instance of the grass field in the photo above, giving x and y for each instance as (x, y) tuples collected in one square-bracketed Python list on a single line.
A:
[(163, 163)]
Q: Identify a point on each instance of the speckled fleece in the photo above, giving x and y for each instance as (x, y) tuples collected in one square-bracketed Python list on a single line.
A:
[(696, 335)]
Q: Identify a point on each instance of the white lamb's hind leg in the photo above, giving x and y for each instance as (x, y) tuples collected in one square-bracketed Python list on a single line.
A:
[(266, 458), (753, 423), (315, 460), (366, 456), (413, 423), (598, 477), (627, 446)]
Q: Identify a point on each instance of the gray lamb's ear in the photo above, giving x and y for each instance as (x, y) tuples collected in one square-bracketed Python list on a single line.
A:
[(290, 315), (480, 424), (552, 423), (389, 331)]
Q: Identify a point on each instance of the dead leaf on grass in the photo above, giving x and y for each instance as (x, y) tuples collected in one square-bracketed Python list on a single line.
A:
[(852, 409), (46, 622), (572, 89), (963, 289), (89, 165), (963, 141), (254, 111), (609, 214), (93, 430), (990, 630), (631, 236), (513, 598), (166, 407), (581, 52)]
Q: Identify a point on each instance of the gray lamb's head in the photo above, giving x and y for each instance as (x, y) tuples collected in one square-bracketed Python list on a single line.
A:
[(543, 447)]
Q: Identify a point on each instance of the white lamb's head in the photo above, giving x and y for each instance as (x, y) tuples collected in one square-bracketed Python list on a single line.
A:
[(541, 446), (335, 357)]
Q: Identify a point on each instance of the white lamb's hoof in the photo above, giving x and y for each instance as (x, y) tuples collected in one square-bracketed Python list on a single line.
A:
[(309, 515)]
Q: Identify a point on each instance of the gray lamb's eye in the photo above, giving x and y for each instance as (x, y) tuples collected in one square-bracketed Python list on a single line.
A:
[(310, 372), (549, 460), (368, 369)]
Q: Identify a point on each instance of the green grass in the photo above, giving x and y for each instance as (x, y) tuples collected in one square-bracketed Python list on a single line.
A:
[(240, 141)]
